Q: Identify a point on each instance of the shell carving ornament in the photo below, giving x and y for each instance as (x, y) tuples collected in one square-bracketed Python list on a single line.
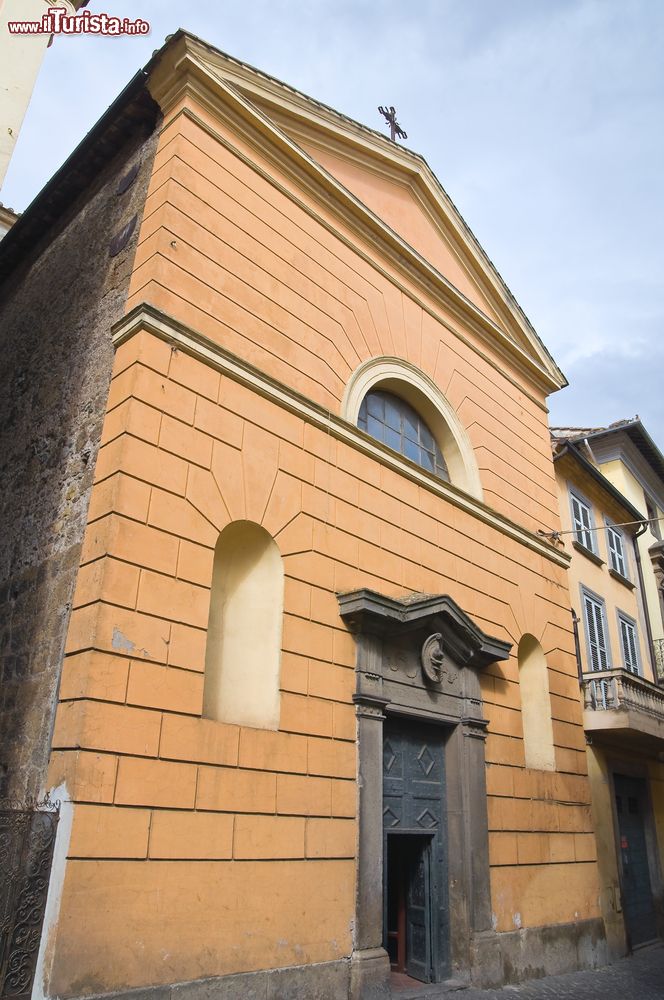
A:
[(433, 657)]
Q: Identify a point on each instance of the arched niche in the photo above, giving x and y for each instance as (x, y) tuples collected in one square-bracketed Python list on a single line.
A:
[(535, 705), (409, 383), (243, 652)]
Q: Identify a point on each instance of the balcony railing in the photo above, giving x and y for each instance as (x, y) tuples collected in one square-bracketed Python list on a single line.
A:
[(618, 699)]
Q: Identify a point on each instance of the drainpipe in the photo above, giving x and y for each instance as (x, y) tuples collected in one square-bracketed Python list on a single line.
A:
[(586, 442), (639, 569), (577, 645)]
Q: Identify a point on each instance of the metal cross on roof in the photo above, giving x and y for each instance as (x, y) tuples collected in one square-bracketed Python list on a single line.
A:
[(390, 116)]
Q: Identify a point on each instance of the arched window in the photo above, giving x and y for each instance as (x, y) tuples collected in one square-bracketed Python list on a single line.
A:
[(535, 706), (384, 378), (243, 652), (394, 422)]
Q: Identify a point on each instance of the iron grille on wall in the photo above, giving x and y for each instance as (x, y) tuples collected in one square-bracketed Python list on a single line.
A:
[(27, 839)]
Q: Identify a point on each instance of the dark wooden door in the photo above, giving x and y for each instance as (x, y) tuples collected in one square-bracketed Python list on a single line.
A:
[(419, 945), (415, 838), (638, 907)]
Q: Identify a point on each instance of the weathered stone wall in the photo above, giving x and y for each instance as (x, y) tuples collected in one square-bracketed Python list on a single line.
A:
[(56, 311)]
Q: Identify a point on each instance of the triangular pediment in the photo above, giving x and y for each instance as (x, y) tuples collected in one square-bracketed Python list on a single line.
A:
[(384, 186), (403, 204)]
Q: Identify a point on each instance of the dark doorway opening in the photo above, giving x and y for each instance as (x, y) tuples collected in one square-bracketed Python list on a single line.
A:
[(632, 808), (415, 909), (408, 930)]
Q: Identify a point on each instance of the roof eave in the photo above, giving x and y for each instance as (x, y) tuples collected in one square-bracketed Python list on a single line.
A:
[(639, 437), (569, 448)]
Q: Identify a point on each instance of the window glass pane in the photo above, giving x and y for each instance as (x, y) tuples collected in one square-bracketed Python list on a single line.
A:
[(392, 439), (441, 464), (376, 428), (362, 419), (426, 437), (375, 404), (411, 426), (411, 450), (392, 414), (427, 460)]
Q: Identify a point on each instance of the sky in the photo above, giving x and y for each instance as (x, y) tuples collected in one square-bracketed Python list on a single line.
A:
[(543, 120)]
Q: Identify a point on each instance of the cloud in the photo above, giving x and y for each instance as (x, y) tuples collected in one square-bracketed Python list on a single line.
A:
[(611, 387)]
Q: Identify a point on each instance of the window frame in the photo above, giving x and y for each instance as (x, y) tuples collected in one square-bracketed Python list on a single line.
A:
[(629, 623), (576, 495), (652, 514), (600, 603), (417, 388)]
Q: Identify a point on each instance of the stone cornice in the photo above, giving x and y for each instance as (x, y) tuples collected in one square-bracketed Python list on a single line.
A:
[(183, 74), (147, 318), (368, 611)]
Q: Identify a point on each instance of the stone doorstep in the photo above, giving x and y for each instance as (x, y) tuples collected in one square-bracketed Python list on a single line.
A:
[(402, 990)]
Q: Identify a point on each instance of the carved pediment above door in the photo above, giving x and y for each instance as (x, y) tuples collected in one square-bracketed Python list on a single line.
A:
[(420, 655)]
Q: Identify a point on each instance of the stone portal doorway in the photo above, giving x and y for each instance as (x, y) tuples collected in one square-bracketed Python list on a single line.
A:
[(415, 921), (421, 782)]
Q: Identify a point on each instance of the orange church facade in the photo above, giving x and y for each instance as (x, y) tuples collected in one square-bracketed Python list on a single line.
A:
[(319, 710)]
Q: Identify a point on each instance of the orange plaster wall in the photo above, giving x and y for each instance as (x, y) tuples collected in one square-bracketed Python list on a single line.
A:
[(396, 205), (158, 788), (231, 252), (174, 921)]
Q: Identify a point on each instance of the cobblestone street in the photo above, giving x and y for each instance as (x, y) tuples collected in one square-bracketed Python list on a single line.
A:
[(639, 977)]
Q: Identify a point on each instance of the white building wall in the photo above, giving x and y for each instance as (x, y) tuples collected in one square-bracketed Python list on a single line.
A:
[(20, 61)]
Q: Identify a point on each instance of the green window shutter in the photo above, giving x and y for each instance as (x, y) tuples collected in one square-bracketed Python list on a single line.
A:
[(599, 659), (628, 642), (616, 551), (582, 523)]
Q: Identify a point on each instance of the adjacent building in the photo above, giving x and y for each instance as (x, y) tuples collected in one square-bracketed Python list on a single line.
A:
[(21, 56), (7, 219), (610, 482), (288, 646)]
